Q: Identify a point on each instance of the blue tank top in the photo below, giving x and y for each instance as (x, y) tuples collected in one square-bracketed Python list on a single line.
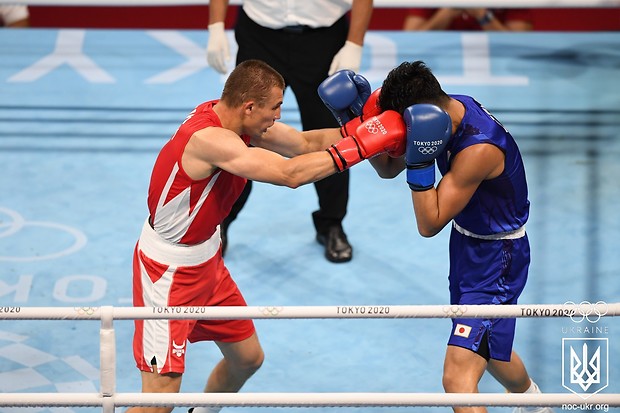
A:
[(499, 204)]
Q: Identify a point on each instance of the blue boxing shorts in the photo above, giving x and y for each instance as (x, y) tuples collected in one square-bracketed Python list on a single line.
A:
[(484, 271)]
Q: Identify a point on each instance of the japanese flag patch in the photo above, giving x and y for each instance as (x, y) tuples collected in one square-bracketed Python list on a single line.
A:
[(462, 330)]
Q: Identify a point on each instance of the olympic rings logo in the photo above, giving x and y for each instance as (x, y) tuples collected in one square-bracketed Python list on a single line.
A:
[(273, 311), (371, 127), (427, 150), (85, 310), (15, 222), (454, 310), (585, 310)]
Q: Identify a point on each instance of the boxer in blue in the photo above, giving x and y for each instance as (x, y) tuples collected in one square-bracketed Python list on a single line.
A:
[(483, 192)]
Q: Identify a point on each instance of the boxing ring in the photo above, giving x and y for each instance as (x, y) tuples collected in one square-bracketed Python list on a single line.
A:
[(108, 399), (133, 95)]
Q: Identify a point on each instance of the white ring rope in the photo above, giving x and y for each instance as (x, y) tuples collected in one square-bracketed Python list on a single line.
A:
[(305, 399), (107, 398), (578, 312), (377, 3)]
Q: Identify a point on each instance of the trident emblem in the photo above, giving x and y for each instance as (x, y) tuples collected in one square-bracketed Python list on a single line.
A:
[(585, 363), (583, 372)]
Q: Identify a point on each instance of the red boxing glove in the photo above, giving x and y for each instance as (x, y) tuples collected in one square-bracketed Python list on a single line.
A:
[(385, 132), (370, 108)]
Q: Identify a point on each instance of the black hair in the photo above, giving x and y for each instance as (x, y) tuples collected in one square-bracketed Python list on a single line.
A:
[(411, 83)]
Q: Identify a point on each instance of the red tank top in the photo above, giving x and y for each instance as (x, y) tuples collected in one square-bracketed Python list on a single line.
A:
[(183, 210)]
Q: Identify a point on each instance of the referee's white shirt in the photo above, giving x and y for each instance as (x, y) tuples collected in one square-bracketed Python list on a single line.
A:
[(276, 14)]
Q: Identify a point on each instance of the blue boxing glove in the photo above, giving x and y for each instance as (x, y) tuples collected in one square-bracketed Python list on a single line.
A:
[(428, 130), (344, 93)]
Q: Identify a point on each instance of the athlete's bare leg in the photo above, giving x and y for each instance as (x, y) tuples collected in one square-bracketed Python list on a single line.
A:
[(153, 382), (511, 374), (240, 362), (462, 371)]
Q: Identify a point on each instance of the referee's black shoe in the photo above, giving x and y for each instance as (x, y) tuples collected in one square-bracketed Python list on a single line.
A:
[(337, 247)]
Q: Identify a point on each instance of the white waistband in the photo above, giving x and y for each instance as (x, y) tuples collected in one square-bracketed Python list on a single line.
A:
[(514, 234), (160, 250)]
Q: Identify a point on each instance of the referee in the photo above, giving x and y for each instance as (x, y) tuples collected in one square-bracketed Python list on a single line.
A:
[(305, 41)]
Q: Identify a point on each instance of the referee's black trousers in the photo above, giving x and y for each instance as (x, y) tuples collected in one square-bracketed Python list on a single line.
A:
[(302, 56)]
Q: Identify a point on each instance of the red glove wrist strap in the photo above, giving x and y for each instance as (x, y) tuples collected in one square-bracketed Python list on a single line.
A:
[(345, 153)]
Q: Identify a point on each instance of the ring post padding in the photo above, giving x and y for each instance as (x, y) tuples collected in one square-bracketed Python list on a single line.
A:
[(107, 352)]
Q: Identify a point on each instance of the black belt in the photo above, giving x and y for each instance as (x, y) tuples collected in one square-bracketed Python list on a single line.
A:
[(297, 29)]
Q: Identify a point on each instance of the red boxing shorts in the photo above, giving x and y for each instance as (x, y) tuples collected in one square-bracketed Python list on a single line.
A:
[(171, 275)]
